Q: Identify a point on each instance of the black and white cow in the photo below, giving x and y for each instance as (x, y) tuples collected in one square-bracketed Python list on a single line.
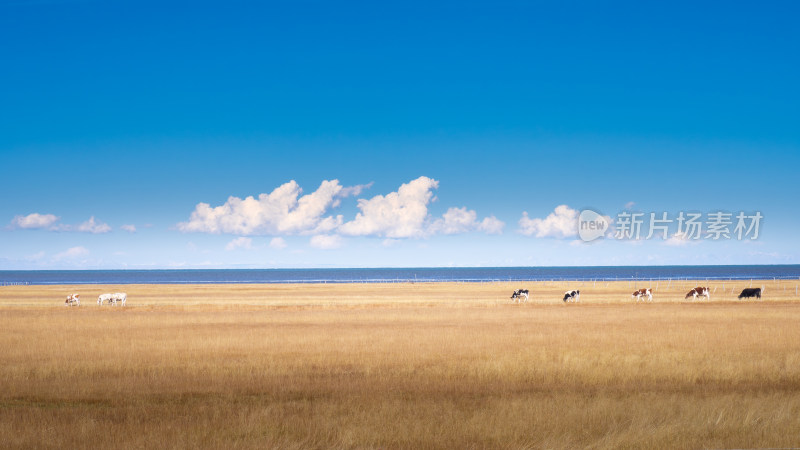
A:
[(572, 296), (750, 292), (518, 294), (699, 292)]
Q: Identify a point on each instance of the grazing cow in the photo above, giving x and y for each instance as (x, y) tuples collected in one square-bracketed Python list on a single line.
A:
[(750, 292), (120, 297), (113, 298), (518, 294), (572, 296), (699, 292), (73, 299), (105, 298), (643, 293)]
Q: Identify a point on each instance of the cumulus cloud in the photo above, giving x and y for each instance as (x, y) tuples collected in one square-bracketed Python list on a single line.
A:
[(400, 214), (71, 253), (491, 225), (94, 227), (241, 242), (282, 211), (277, 243), (455, 221), (462, 220), (561, 223), (34, 221), (129, 228), (326, 241), (397, 215)]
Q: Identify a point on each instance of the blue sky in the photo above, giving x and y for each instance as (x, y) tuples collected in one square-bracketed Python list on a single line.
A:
[(117, 119)]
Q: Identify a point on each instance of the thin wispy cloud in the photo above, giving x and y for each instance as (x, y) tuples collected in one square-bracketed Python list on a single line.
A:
[(244, 243), (72, 253), (354, 191), (326, 241), (34, 221), (50, 222), (277, 243), (679, 239), (94, 227)]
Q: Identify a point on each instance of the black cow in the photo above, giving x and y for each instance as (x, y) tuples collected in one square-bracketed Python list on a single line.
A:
[(750, 292), (572, 296)]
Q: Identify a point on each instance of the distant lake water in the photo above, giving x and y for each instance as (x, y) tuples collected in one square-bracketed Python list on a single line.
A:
[(387, 275)]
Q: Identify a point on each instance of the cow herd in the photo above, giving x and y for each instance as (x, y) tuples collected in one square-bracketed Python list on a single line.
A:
[(642, 294), (519, 295), (111, 299)]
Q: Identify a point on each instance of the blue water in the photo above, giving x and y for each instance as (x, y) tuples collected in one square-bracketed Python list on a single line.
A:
[(466, 274)]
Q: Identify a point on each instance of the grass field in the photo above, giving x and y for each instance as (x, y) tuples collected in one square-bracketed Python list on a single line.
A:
[(445, 365)]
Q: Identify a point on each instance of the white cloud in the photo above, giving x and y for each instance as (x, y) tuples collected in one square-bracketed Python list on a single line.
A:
[(455, 221), (462, 220), (282, 211), (353, 191), (678, 240), (400, 214), (71, 253), (240, 242), (34, 221), (38, 256), (491, 225), (91, 226), (397, 215), (277, 243), (129, 228), (561, 223), (630, 205), (326, 241)]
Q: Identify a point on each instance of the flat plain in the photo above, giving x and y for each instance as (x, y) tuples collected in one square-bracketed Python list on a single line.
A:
[(400, 365)]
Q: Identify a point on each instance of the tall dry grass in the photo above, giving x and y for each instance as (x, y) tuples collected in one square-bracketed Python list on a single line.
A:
[(390, 366)]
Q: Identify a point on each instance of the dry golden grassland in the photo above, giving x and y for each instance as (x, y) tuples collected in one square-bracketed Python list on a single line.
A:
[(445, 365)]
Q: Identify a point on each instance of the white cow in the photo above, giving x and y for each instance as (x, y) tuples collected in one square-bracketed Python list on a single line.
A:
[(120, 297), (113, 298), (572, 296), (73, 299)]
